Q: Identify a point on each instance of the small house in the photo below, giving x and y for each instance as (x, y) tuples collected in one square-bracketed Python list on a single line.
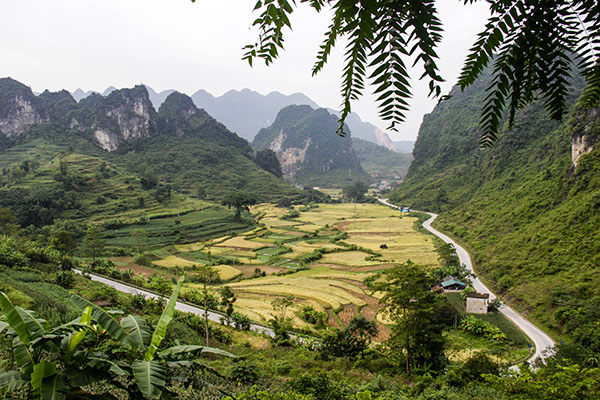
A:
[(451, 283), (477, 303)]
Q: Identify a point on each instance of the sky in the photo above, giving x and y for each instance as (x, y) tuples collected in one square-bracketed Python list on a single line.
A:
[(177, 44)]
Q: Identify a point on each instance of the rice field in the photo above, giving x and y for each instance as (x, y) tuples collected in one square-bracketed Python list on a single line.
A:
[(320, 258)]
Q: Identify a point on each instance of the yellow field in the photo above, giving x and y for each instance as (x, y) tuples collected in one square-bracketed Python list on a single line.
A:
[(332, 283), (240, 242), (349, 258), (174, 261)]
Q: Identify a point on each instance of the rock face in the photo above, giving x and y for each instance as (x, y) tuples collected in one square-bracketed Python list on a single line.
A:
[(586, 134), (123, 115), (19, 108), (308, 149)]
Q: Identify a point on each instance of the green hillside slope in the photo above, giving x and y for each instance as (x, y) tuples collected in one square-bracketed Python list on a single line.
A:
[(380, 161), (527, 214)]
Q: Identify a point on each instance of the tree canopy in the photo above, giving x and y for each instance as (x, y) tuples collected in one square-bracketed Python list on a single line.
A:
[(533, 46)]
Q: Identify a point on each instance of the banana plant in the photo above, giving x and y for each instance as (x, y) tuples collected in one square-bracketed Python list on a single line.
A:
[(151, 369), (32, 341), (80, 361)]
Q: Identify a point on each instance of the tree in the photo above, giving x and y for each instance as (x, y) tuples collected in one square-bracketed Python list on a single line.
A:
[(267, 160), (227, 300), (139, 235), (93, 243), (8, 222), (532, 44), (62, 240), (355, 191), (411, 304), (240, 201), (281, 323), (207, 274)]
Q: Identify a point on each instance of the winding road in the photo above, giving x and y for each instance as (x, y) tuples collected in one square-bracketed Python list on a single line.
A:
[(543, 343), (180, 306)]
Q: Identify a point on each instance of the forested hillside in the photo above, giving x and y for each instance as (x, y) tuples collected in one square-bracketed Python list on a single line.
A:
[(527, 212), (309, 150), (381, 161)]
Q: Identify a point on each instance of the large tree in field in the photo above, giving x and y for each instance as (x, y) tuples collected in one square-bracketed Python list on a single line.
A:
[(240, 201), (532, 44), (416, 339)]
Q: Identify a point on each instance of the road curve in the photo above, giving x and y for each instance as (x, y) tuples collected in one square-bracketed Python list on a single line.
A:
[(543, 343), (180, 306)]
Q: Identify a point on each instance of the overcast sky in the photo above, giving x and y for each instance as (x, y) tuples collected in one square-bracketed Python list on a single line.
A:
[(177, 44)]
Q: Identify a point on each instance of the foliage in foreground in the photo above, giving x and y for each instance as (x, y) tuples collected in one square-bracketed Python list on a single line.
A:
[(62, 362)]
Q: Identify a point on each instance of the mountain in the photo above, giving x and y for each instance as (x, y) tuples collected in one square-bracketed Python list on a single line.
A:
[(404, 146), (308, 149), (379, 161), (183, 147), (157, 98), (246, 112), (527, 209)]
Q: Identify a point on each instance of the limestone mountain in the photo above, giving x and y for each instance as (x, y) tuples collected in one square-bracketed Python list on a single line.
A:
[(182, 145), (124, 115), (308, 148), (527, 208), (20, 109)]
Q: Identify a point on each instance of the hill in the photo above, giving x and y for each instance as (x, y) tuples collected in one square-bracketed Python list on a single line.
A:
[(309, 150), (147, 154), (379, 161), (527, 208)]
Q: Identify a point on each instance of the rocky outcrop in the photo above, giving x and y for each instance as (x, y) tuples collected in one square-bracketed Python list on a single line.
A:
[(308, 148), (122, 116), (586, 133), (19, 108)]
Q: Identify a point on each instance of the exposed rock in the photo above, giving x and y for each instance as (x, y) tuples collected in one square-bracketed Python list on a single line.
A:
[(586, 134), (308, 149), (19, 108)]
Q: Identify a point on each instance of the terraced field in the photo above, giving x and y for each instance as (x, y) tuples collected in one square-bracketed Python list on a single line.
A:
[(320, 258)]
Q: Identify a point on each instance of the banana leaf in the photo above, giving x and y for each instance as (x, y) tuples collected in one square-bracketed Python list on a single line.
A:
[(150, 377), (163, 322)]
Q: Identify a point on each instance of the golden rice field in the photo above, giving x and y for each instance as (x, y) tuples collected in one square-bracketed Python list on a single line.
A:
[(333, 283)]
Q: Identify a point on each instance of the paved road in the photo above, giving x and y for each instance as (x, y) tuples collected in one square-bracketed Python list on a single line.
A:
[(543, 343), (213, 316)]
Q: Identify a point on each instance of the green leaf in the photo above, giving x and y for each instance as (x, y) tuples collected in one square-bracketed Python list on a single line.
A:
[(14, 319), (171, 351), (36, 327), (150, 377), (105, 321), (137, 329), (22, 356), (40, 372), (163, 322), (77, 337), (11, 380)]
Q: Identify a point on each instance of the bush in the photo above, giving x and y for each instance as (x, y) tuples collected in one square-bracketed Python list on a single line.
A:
[(479, 327), (243, 372), (142, 259), (65, 279)]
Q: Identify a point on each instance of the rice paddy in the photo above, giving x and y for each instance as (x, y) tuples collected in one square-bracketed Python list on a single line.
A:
[(319, 258)]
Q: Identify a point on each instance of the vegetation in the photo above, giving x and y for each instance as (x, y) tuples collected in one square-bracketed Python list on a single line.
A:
[(327, 160), (379, 161), (523, 208), (534, 47)]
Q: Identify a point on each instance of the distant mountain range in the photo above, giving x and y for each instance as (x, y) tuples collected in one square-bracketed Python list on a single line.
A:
[(246, 112)]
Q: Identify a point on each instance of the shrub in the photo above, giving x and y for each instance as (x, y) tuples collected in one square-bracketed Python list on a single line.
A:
[(142, 259), (479, 327), (243, 372)]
